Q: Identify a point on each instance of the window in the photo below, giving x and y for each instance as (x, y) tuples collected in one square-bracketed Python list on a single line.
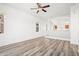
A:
[(37, 27), (1, 24)]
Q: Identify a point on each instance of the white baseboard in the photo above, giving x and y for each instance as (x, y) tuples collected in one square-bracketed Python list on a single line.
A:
[(57, 38), (76, 43)]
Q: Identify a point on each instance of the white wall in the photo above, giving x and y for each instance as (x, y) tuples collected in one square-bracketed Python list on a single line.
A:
[(75, 24), (19, 26), (60, 32)]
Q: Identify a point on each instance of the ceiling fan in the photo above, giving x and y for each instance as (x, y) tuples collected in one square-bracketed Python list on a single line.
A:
[(40, 7)]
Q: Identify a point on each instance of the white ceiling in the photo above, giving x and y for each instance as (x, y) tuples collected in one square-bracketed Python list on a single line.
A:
[(55, 9)]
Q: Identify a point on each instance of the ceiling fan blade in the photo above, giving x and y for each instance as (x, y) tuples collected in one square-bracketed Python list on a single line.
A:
[(39, 5), (46, 6), (37, 11), (44, 10), (34, 8)]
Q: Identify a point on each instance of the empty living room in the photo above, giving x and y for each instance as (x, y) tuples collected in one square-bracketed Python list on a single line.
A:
[(39, 29)]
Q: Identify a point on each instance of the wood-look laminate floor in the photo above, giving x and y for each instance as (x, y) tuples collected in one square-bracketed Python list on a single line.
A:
[(40, 47)]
